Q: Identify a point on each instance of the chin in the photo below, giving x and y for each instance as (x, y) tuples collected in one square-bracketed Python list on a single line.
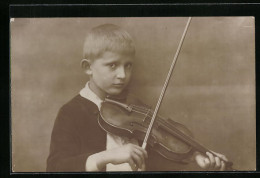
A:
[(115, 92)]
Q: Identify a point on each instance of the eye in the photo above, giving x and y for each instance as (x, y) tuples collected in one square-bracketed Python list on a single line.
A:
[(112, 65), (129, 65)]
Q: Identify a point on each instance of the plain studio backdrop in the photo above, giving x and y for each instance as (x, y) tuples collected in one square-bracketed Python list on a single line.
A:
[(212, 90)]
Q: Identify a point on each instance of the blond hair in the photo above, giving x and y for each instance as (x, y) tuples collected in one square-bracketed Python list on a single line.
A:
[(107, 37)]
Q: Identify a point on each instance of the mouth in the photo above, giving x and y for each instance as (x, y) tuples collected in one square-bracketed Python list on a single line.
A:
[(119, 85)]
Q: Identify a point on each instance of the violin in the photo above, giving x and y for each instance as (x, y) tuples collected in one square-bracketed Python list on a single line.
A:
[(170, 139)]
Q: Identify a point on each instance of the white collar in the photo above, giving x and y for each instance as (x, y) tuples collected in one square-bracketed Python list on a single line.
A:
[(87, 93)]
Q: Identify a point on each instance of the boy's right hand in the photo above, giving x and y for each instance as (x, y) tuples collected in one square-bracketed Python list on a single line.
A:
[(129, 153)]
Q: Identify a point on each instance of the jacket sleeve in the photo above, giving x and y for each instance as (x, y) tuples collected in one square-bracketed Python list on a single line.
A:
[(65, 154)]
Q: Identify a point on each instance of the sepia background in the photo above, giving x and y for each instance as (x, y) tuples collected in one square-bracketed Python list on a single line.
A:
[(212, 90)]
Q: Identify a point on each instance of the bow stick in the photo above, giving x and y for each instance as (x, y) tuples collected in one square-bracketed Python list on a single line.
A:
[(165, 86)]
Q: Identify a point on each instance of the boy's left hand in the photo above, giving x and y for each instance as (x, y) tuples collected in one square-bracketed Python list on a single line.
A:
[(211, 162)]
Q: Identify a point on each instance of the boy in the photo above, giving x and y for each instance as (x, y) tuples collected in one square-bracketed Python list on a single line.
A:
[(78, 143)]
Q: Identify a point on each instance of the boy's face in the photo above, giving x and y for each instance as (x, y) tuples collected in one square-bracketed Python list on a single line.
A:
[(110, 73)]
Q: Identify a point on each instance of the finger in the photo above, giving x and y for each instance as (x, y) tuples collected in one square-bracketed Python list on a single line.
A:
[(143, 167), (218, 163), (141, 154), (206, 163), (132, 164), (223, 166), (221, 156), (137, 154), (212, 160), (137, 159), (144, 152), (140, 157), (201, 162), (224, 158)]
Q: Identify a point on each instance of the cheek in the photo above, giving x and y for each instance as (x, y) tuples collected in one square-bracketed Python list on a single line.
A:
[(102, 74), (105, 77), (129, 74)]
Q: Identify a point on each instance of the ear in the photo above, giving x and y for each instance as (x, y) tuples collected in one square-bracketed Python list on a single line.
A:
[(85, 64)]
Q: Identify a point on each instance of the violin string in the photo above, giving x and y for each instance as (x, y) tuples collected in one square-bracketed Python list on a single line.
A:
[(140, 112), (174, 131), (188, 139), (148, 113), (143, 110), (139, 107)]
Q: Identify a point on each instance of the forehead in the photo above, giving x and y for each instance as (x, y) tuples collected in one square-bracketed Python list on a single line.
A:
[(109, 56)]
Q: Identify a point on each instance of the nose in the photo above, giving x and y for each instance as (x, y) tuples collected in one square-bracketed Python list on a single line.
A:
[(121, 73)]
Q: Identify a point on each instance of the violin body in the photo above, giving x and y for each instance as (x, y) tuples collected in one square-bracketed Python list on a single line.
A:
[(129, 118), (133, 123)]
